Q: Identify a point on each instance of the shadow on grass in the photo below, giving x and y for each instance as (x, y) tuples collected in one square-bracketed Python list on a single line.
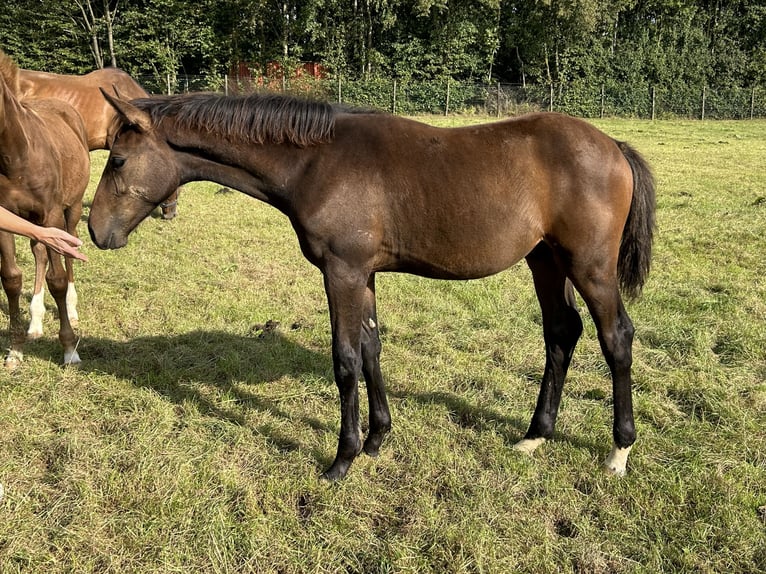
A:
[(183, 369)]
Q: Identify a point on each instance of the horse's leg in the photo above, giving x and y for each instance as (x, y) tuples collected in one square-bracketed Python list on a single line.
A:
[(57, 285), (170, 205), (562, 328), (380, 417), (600, 291), (12, 283), (72, 216), (346, 288), (37, 305)]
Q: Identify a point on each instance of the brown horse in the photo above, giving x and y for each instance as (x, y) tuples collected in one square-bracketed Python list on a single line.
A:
[(374, 192), (84, 95), (44, 170)]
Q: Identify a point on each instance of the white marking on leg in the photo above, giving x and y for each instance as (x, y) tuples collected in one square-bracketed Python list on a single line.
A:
[(71, 358), (13, 359), (617, 461), (528, 445), (36, 315), (371, 323), (71, 305)]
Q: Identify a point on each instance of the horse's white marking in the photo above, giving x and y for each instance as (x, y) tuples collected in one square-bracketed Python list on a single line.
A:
[(36, 314), (71, 305), (13, 359), (371, 323), (139, 192), (528, 445), (71, 358), (617, 460)]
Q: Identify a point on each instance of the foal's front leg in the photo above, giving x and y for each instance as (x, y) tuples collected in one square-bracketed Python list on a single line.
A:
[(57, 284), (37, 305), (11, 279), (345, 289)]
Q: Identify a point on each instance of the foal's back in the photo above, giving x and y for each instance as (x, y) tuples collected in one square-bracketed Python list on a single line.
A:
[(468, 202)]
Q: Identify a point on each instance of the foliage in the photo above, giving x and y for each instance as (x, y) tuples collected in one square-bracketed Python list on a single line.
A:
[(570, 45)]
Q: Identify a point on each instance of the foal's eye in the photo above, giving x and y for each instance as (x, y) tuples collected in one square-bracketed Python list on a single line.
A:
[(118, 162)]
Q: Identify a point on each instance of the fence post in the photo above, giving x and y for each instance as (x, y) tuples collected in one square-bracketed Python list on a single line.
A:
[(497, 112), (446, 103), (340, 92), (602, 101), (393, 103), (167, 77), (704, 89), (225, 85), (752, 103), (550, 104), (654, 102)]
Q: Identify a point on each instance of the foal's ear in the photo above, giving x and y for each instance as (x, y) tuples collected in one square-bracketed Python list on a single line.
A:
[(129, 113)]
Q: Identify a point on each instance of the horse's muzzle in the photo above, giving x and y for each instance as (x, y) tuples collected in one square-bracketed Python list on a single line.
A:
[(111, 241)]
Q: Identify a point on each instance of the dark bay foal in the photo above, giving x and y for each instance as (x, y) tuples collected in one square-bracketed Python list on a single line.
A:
[(373, 192)]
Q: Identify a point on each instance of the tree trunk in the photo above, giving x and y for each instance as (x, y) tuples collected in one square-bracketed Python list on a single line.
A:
[(109, 16)]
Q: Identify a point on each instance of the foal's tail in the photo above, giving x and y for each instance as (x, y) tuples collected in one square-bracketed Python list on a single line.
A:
[(636, 245)]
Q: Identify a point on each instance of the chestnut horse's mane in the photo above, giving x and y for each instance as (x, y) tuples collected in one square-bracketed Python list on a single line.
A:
[(254, 118), (9, 72)]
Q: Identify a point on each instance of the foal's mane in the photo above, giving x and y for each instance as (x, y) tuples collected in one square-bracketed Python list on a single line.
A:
[(254, 118), (9, 72)]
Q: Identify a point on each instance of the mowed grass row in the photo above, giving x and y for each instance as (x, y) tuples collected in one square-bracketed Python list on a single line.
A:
[(191, 438)]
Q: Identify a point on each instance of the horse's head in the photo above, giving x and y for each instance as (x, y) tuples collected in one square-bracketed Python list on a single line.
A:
[(139, 175)]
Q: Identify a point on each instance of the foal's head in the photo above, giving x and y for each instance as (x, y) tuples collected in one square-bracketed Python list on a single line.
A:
[(139, 175)]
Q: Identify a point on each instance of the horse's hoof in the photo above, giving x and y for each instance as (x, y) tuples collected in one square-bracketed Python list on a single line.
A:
[(72, 359), (34, 333), (372, 444), (13, 360), (528, 445), (617, 461)]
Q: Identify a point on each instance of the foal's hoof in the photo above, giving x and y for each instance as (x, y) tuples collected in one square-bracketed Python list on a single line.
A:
[(71, 359), (617, 461), (13, 360), (332, 475), (372, 444), (528, 445), (34, 333)]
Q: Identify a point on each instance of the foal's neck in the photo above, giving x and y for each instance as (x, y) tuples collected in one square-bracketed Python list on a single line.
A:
[(267, 172)]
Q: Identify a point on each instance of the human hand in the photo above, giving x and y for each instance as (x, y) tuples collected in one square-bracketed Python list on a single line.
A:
[(61, 242)]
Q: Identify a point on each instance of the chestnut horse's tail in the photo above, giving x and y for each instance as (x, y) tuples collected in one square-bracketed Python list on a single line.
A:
[(636, 245)]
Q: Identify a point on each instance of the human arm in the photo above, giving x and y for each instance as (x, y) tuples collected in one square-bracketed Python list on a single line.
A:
[(57, 239)]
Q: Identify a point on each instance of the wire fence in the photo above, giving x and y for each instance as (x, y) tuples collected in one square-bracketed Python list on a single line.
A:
[(638, 99)]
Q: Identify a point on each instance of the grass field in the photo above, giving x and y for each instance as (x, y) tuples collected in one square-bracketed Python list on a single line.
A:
[(191, 438)]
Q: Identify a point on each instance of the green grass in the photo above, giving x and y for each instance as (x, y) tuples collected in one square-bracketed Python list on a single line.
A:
[(190, 440)]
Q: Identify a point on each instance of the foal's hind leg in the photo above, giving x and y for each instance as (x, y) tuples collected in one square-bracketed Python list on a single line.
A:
[(562, 328), (615, 333), (380, 417)]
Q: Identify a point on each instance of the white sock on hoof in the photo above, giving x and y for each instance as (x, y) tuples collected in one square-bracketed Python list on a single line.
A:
[(36, 315), (528, 445), (617, 461), (71, 358), (71, 304)]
